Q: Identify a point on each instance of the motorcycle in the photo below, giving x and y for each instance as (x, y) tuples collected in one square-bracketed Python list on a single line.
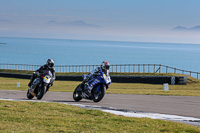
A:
[(99, 83), (40, 85)]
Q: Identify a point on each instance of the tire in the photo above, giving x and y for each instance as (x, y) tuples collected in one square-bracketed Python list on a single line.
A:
[(41, 92), (77, 93), (96, 97), (29, 96)]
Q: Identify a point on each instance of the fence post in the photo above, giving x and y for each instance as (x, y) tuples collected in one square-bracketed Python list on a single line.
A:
[(124, 68), (139, 68), (166, 69), (112, 68), (143, 68), (160, 69), (128, 68)]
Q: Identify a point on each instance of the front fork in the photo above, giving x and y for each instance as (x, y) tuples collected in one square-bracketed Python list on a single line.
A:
[(35, 84)]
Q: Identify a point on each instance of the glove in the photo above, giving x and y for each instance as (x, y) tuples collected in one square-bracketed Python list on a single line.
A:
[(96, 74), (85, 78), (37, 73)]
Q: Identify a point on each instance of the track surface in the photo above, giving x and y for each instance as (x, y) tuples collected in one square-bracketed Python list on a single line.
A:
[(174, 105)]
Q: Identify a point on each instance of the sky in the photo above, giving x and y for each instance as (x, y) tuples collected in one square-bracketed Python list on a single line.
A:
[(113, 20)]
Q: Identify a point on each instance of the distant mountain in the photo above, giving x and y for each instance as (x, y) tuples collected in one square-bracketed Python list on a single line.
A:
[(181, 28), (196, 28), (78, 23)]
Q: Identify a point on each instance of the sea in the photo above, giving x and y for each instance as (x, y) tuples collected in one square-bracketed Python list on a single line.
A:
[(36, 51)]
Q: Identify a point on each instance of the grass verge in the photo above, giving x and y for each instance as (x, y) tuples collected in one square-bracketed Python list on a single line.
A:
[(191, 89), (54, 117)]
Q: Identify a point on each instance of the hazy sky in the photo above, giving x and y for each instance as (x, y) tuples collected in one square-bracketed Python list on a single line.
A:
[(120, 20)]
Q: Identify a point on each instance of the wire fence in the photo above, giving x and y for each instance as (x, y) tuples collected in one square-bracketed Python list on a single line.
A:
[(120, 68)]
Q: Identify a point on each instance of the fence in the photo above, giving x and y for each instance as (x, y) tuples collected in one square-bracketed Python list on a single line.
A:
[(122, 68)]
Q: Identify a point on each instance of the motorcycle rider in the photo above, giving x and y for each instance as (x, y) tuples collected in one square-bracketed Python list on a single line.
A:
[(48, 66), (104, 67)]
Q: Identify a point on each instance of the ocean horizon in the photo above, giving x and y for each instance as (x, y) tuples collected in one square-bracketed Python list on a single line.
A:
[(35, 51)]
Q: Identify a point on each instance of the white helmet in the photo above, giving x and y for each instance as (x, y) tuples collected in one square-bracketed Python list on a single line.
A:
[(50, 63)]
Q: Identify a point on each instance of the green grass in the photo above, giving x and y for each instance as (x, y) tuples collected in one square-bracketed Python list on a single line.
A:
[(191, 89), (54, 117)]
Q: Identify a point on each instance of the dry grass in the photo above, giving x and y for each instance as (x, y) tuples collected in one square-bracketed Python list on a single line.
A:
[(191, 89)]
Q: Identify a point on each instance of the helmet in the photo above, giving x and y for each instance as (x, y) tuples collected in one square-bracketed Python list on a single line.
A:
[(105, 65), (50, 63)]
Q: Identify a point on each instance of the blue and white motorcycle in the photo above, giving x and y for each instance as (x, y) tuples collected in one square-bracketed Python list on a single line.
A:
[(99, 82)]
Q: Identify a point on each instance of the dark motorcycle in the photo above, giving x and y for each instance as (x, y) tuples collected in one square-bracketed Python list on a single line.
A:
[(98, 90), (40, 85)]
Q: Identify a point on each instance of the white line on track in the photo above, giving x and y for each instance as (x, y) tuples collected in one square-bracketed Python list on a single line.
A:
[(176, 118)]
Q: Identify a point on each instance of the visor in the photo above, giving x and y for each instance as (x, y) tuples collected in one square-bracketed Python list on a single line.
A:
[(51, 64), (107, 67)]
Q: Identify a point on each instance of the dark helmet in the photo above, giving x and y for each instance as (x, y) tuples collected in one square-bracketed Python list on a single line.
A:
[(50, 63), (105, 65)]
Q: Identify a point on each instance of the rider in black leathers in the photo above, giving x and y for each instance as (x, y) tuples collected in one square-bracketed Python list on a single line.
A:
[(48, 66)]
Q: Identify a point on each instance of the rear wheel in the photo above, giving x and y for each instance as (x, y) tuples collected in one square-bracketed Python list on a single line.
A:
[(77, 93), (29, 96), (97, 95), (41, 91)]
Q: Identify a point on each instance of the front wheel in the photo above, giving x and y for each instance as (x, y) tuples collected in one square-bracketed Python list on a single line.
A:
[(41, 91), (77, 93), (98, 94), (29, 96)]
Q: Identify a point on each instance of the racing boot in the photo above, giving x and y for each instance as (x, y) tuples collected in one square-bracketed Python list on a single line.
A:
[(33, 86), (31, 90)]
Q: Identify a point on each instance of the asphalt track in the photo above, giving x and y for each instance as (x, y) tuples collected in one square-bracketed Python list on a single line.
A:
[(187, 106)]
